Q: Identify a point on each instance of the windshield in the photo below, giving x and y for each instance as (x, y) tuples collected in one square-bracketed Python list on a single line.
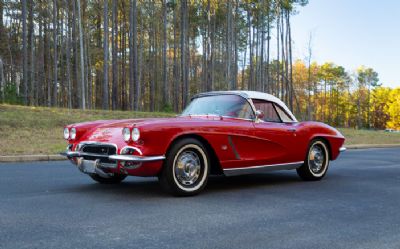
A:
[(221, 105)]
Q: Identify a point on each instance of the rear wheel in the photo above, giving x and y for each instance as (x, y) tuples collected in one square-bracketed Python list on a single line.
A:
[(112, 180), (316, 163), (186, 168)]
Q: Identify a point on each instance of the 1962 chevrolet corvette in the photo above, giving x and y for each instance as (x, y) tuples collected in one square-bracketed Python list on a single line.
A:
[(227, 132)]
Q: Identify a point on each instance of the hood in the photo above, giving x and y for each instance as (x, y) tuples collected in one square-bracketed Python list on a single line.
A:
[(108, 130), (134, 122)]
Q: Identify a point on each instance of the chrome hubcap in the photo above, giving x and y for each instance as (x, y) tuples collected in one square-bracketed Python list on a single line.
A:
[(187, 167), (316, 159)]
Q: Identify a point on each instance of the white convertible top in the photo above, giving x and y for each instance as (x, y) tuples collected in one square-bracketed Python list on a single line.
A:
[(252, 95)]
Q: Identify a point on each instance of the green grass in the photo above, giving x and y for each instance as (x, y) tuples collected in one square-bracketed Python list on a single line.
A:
[(38, 130), (369, 136)]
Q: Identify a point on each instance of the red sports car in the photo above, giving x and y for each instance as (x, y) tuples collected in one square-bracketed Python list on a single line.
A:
[(226, 132)]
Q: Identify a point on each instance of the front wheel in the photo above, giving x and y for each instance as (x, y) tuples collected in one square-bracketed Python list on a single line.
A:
[(316, 163), (186, 168)]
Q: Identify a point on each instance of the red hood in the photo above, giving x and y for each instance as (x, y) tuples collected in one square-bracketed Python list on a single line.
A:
[(132, 122), (111, 130), (146, 121)]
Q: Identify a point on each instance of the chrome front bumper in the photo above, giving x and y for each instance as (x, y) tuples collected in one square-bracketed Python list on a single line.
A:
[(102, 169), (342, 149), (124, 158)]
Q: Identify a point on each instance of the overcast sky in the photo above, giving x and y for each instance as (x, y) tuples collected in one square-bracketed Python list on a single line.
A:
[(351, 33)]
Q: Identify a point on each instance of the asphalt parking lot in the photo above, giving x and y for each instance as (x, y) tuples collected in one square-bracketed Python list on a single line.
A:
[(53, 205)]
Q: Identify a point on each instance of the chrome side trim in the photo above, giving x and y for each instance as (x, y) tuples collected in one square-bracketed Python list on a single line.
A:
[(342, 149), (237, 156), (262, 168)]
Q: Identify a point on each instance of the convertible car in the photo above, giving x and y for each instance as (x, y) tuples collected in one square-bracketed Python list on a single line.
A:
[(224, 132)]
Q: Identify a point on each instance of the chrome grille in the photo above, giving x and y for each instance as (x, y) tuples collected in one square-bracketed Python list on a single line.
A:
[(99, 149)]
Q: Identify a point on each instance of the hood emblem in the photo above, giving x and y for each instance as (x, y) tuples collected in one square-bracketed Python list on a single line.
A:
[(101, 133)]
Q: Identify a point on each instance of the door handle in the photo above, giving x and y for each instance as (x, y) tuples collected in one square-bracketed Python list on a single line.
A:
[(292, 129)]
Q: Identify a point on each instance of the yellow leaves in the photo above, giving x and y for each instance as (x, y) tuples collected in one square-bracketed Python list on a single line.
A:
[(332, 95), (393, 109)]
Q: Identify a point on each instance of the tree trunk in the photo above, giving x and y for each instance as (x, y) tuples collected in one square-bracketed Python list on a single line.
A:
[(2, 81), (290, 73), (83, 104), (79, 92), (210, 49), (262, 83), (105, 99), (139, 88), (68, 57), (278, 75), (284, 90), (41, 68), (48, 62), (175, 68), (122, 39), (184, 79), (229, 45), (88, 75), (25, 54), (309, 84), (236, 29), (114, 55), (55, 47), (165, 97), (268, 83), (152, 58), (136, 77), (132, 55), (32, 56), (250, 86)]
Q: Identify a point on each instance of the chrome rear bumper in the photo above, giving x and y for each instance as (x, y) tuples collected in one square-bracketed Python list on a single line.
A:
[(342, 149)]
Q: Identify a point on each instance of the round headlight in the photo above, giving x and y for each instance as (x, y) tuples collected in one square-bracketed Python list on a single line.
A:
[(127, 134), (135, 134), (66, 133), (72, 133)]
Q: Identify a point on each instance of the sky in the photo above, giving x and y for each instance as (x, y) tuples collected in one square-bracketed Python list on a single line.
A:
[(351, 33)]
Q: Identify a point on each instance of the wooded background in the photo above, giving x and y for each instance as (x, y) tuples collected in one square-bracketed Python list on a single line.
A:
[(154, 55)]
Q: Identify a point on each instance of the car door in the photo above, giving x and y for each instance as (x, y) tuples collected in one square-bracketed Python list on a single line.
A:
[(277, 139)]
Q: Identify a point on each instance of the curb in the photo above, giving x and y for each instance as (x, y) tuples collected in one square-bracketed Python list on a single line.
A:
[(370, 146), (31, 158), (36, 158)]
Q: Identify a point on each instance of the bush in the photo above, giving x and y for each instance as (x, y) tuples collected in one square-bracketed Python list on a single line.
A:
[(10, 95)]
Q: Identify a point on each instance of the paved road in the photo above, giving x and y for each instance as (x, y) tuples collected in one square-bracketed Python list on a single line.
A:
[(52, 205)]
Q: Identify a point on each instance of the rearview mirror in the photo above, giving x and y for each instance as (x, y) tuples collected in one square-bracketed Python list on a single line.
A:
[(259, 114)]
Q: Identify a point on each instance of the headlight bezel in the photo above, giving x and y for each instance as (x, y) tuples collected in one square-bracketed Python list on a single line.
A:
[(126, 134), (66, 133), (135, 134)]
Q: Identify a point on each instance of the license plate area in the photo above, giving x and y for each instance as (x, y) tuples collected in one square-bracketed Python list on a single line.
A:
[(87, 166)]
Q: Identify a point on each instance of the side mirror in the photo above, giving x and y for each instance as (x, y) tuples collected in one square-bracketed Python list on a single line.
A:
[(259, 114)]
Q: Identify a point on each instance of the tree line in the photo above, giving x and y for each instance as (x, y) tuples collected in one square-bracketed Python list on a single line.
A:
[(329, 93), (153, 55)]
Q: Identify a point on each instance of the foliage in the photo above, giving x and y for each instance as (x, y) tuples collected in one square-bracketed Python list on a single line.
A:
[(340, 99), (393, 109), (11, 96)]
